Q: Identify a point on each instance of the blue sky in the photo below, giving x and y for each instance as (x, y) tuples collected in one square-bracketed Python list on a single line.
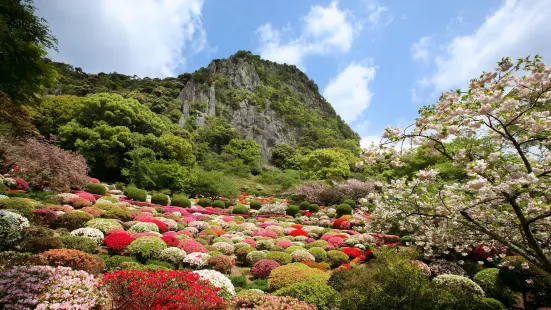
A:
[(377, 62)]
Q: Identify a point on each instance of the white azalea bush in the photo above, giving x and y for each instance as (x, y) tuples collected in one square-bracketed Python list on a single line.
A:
[(11, 227), (218, 280), (501, 133), (90, 233)]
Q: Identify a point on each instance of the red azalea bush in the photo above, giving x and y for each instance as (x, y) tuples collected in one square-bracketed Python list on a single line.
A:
[(149, 219), (44, 217), (170, 240), (352, 252), (265, 233), (263, 268), (298, 232), (86, 196), (75, 259), (160, 290), (118, 241), (93, 180), (21, 184), (191, 246), (481, 252), (39, 161)]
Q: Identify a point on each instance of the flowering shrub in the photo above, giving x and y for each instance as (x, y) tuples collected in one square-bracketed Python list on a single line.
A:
[(458, 285), (173, 255), (162, 227), (104, 225), (11, 227), (21, 184), (196, 259), (440, 267), (224, 247), (255, 256), (163, 289), (144, 227), (265, 233), (91, 233), (335, 242), (75, 259), (351, 252), (281, 257), (86, 196), (273, 208), (218, 280), (298, 232), (192, 246), (263, 267), (294, 273), (301, 255), (336, 258), (44, 217), (261, 301), (45, 287), (147, 247), (500, 199), (170, 240), (322, 296), (220, 262), (73, 220), (118, 241)]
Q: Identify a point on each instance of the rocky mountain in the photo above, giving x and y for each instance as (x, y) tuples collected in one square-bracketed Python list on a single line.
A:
[(271, 103)]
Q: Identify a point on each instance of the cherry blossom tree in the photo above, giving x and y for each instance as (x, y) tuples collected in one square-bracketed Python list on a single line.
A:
[(503, 124)]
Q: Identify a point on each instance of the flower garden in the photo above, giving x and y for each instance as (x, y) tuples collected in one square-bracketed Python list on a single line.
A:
[(120, 250)]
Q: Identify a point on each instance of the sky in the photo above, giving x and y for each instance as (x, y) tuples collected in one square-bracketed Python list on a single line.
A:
[(376, 62)]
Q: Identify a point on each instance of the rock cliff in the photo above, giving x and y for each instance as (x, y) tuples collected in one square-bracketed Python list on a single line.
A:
[(268, 102)]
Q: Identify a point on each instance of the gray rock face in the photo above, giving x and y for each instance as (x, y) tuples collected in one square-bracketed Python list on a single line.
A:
[(262, 125)]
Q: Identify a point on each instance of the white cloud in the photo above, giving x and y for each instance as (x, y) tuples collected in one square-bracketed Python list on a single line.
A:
[(379, 16), (420, 49), (348, 92), (517, 29), (325, 30), (142, 37)]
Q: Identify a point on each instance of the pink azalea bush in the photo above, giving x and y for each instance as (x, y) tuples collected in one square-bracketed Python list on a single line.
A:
[(263, 267), (45, 287)]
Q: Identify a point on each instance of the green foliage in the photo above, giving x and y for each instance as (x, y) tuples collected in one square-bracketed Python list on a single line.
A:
[(392, 282), (522, 276), (493, 286), (350, 202), (289, 274), (240, 209), (159, 198), (24, 39), (79, 243), (323, 296), (281, 257), (147, 247), (319, 253), (324, 164), (283, 179), (304, 205), (336, 258), (22, 206), (210, 184), (219, 204), (313, 208), (180, 200), (135, 193), (255, 204), (292, 210), (96, 188), (204, 202), (73, 220), (113, 263), (343, 209), (239, 281)]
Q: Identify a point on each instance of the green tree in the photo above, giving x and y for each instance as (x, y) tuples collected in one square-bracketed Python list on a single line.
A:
[(24, 38), (324, 164)]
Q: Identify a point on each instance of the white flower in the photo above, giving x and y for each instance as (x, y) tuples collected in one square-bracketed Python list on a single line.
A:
[(90, 233), (218, 280)]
